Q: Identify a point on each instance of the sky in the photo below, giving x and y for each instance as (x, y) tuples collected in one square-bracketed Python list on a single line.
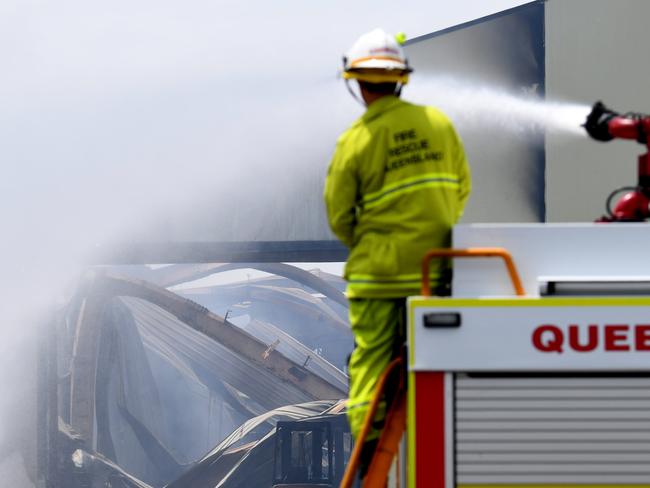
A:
[(117, 113)]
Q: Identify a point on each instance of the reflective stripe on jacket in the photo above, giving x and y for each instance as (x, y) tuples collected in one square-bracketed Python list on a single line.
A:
[(397, 184)]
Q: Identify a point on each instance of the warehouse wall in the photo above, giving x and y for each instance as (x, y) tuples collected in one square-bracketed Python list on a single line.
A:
[(507, 168), (595, 50)]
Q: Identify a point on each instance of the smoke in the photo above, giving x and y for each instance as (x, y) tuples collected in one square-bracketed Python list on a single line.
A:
[(114, 118), (476, 107), (117, 118)]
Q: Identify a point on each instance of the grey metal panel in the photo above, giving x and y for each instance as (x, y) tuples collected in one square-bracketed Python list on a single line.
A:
[(566, 383), (540, 425), (538, 414), (174, 250), (528, 469), (552, 392), (516, 404), (508, 170), (554, 457), (536, 435), (595, 50), (552, 430), (566, 447), (601, 479)]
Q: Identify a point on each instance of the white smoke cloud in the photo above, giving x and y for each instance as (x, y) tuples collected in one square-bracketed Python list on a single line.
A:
[(114, 114)]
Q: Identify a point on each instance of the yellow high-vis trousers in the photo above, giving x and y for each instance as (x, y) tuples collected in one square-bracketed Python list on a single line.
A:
[(379, 332)]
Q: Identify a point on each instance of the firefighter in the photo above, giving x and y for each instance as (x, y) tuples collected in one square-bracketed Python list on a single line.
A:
[(396, 185)]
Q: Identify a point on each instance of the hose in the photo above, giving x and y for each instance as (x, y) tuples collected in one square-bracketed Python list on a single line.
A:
[(608, 203)]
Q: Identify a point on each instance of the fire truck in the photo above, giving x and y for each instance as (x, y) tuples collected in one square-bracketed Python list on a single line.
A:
[(546, 384)]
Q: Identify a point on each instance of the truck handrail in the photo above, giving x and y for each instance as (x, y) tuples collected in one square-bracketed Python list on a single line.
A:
[(473, 252)]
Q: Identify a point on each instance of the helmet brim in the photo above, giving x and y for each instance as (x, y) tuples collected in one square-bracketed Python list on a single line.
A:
[(378, 75)]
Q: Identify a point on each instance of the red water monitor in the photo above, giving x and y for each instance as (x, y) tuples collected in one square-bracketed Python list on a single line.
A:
[(604, 124)]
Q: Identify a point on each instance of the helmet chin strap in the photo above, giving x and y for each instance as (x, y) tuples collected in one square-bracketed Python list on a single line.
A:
[(354, 95)]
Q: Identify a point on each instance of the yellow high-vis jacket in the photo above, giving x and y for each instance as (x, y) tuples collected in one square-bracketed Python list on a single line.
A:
[(397, 184)]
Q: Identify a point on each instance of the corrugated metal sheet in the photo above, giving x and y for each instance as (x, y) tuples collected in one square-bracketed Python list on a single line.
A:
[(163, 332), (552, 430)]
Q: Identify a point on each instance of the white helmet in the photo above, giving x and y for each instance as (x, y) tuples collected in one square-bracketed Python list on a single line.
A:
[(377, 57)]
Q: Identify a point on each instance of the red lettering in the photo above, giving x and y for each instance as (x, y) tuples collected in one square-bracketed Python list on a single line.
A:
[(574, 338), (548, 338), (642, 337), (588, 338), (616, 337)]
